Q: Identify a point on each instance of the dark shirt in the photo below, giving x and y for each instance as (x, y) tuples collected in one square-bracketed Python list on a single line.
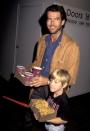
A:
[(60, 104)]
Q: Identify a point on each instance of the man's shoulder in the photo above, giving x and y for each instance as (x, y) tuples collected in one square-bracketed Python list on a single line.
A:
[(43, 37), (68, 39)]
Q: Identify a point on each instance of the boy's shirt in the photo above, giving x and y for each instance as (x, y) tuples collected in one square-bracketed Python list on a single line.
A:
[(60, 104)]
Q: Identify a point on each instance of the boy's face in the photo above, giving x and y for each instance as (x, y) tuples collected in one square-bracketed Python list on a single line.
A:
[(55, 86)]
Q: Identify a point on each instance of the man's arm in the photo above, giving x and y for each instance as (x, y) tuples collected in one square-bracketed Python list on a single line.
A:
[(57, 120), (39, 81), (75, 60)]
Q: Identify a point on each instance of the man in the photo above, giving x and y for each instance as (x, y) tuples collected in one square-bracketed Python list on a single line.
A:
[(55, 50)]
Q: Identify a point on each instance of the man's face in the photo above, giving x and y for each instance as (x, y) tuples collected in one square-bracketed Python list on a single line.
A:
[(54, 22)]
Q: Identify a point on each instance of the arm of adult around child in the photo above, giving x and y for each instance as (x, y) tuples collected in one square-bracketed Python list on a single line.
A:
[(57, 120)]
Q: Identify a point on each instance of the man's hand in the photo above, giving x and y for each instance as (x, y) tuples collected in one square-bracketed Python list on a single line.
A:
[(39, 81)]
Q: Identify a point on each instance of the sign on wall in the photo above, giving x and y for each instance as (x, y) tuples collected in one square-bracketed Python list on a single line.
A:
[(77, 16)]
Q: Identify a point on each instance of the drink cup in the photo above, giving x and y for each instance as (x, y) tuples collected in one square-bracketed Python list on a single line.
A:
[(20, 69), (36, 71), (28, 76)]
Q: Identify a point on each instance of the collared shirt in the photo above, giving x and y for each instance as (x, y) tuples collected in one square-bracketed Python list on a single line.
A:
[(50, 48)]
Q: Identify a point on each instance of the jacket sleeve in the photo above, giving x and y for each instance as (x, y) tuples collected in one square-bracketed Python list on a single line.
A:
[(73, 60), (37, 61)]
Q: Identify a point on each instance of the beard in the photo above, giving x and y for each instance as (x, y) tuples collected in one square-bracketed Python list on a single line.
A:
[(51, 31)]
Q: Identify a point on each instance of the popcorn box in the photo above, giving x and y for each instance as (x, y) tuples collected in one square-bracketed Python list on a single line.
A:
[(42, 110)]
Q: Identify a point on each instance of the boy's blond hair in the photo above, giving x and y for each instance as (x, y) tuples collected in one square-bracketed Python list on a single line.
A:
[(61, 75)]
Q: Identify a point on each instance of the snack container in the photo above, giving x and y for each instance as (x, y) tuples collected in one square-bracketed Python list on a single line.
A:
[(28, 76), (41, 110), (24, 77), (36, 70), (20, 69)]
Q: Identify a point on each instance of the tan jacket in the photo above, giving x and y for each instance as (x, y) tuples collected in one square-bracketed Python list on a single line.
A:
[(66, 56)]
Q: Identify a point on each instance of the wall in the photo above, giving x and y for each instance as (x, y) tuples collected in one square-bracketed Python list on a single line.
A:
[(8, 23)]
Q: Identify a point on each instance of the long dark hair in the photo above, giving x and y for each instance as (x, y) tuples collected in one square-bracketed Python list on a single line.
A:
[(57, 8)]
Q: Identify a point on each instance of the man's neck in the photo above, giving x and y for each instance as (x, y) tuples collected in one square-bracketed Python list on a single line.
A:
[(55, 36)]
